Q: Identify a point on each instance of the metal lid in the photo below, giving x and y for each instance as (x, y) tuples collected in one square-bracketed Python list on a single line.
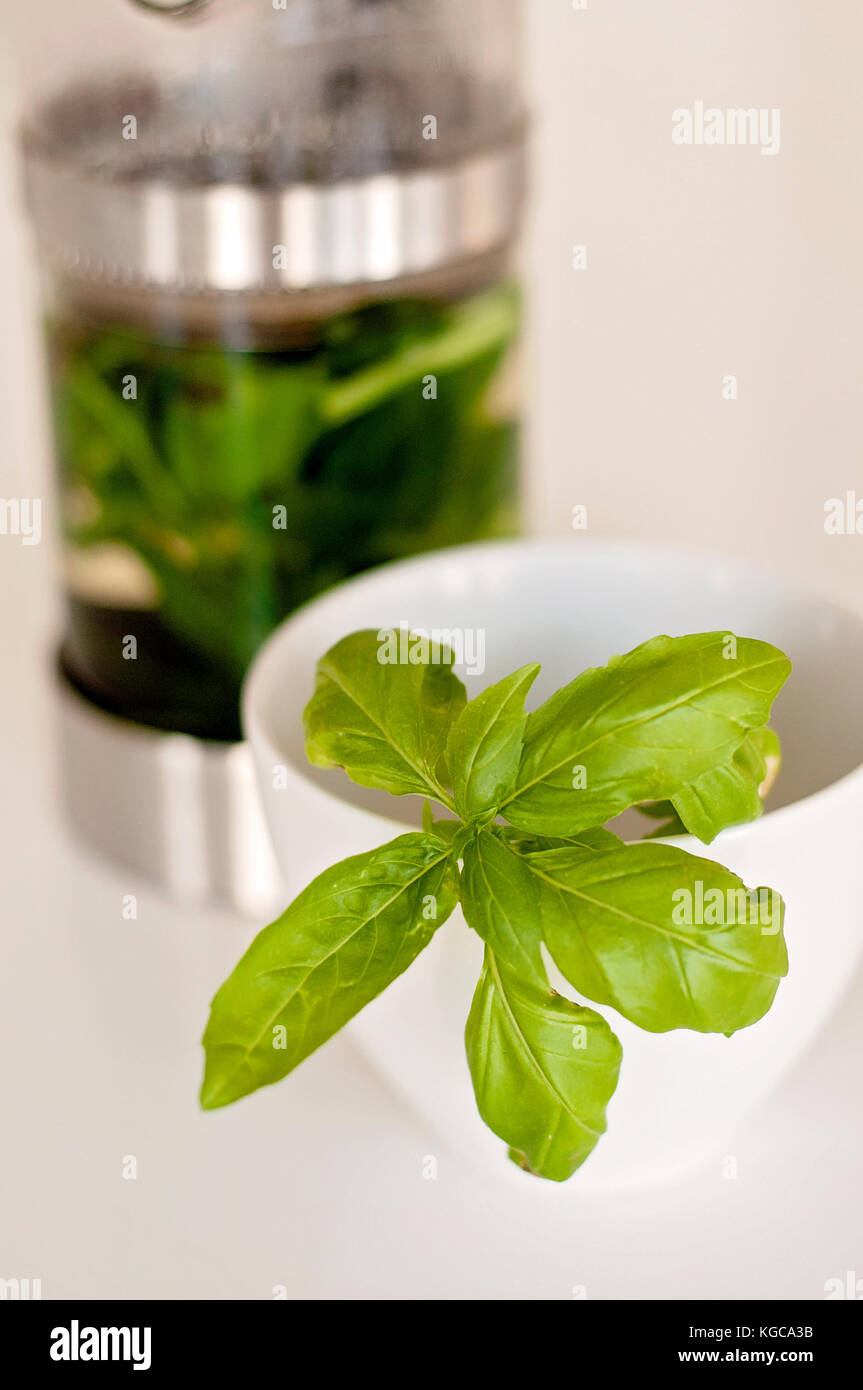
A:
[(304, 168), (235, 237)]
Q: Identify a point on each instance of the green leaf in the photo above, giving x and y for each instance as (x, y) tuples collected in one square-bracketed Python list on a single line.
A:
[(252, 436), (728, 795), (485, 744), (663, 811), (500, 901), (339, 944), (731, 799), (543, 1070), (385, 723), (641, 728), (481, 326), (667, 939), (452, 832), (108, 413), (674, 826), (596, 839), (656, 810)]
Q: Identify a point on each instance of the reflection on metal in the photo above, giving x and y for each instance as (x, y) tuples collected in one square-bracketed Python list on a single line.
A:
[(235, 237), (177, 810)]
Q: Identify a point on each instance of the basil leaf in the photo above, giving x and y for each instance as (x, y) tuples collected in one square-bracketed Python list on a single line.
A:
[(386, 724), (500, 901), (656, 810), (452, 832), (674, 826), (668, 939), (596, 839), (338, 945), (641, 728), (485, 324), (543, 1070), (728, 795), (662, 811), (485, 743)]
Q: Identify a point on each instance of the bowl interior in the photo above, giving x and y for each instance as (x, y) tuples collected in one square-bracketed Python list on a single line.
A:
[(569, 606)]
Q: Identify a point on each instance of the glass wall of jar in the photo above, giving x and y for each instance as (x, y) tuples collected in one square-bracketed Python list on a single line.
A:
[(280, 318)]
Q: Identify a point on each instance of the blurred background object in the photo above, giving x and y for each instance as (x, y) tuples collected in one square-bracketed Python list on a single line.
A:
[(278, 250)]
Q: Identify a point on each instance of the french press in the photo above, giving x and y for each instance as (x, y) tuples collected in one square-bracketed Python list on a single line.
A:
[(277, 241)]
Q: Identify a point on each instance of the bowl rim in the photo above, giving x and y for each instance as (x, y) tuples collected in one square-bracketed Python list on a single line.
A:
[(265, 663)]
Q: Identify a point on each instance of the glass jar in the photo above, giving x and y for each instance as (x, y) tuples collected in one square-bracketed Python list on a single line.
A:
[(280, 317)]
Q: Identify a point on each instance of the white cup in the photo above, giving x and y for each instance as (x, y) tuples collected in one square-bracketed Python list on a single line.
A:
[(573, 605)]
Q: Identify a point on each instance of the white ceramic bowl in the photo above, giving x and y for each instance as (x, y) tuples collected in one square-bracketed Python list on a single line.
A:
[(572, 605)]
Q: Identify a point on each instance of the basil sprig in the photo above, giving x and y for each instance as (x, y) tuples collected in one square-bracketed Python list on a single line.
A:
[(677, 728)]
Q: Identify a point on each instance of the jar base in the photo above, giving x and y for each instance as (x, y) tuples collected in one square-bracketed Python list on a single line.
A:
[(181, 811)]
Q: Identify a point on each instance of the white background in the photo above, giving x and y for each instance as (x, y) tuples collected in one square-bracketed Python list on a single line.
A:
[(701, 262)]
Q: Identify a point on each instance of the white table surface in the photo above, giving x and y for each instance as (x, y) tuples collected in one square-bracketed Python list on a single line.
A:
[(317, 1184)]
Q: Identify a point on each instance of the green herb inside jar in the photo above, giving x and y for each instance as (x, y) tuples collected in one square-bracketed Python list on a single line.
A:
[(209, 491)]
